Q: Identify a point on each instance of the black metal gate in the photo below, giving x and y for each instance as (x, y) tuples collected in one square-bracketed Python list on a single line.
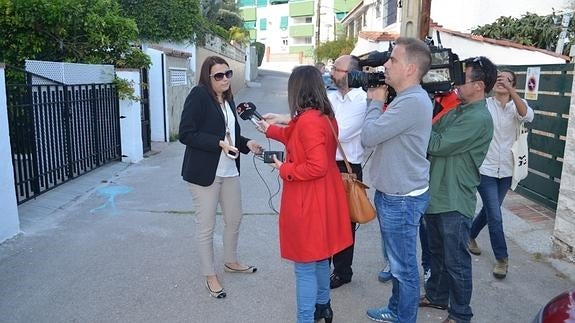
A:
[(145, 113), (58, 131)]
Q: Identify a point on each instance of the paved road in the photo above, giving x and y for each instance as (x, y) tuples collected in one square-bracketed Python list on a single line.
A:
[(117, 245)]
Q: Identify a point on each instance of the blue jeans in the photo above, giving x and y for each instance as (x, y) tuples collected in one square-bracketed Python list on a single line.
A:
[(492, 191), (312, 286), (399, 222), (450, 282)]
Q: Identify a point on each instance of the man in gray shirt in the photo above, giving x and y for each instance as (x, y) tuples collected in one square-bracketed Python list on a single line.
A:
[(400, 134)]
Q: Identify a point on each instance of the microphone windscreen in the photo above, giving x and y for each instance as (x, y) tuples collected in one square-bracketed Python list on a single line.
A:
[(246, 110)]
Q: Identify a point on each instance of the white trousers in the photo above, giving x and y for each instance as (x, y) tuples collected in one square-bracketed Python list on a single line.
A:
[(226, 192)]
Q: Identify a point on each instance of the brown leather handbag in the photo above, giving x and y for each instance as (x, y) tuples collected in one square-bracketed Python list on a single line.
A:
[(360, 208)]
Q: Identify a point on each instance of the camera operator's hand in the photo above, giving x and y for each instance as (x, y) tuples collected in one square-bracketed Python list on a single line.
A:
[(254, 147), (276, 118), (379, 93)]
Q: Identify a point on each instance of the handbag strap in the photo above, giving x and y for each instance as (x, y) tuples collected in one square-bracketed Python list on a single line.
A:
[(520, 130), (339, 147)]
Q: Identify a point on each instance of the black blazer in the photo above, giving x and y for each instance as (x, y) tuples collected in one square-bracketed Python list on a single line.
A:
[(202, 126)]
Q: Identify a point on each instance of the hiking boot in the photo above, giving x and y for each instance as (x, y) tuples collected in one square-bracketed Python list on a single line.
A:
[(473, 247), (500, 269)]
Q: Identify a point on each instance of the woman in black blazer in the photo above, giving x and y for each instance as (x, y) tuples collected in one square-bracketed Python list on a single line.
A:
[(211, 133)]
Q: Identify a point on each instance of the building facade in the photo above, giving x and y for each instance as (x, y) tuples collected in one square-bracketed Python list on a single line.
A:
[(294, 27)]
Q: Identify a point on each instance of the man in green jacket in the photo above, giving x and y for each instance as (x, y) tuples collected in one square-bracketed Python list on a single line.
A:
[(459, 142)]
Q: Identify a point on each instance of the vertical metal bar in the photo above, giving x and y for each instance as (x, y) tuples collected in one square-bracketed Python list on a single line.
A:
[(103, 115), (66, 116), (78, 129), (95, 122), (83, 130), (88, 129), (42, 137), (34, 149), (116, 104), (56, 108), (51, 134), (60, 102)]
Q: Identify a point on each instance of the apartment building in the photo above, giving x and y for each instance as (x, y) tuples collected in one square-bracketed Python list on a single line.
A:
[(294, 27)]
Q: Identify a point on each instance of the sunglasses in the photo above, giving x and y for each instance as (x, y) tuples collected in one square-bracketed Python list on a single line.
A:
[(478, 60), (339, 70), (220, 75)]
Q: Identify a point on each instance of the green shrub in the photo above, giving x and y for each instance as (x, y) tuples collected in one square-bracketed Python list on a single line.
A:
[(260, 50)]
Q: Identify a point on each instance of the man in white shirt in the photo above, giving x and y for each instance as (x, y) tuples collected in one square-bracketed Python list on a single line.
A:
[(349, 105)]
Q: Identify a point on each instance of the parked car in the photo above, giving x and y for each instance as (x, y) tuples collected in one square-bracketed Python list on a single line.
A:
[(561, 309)]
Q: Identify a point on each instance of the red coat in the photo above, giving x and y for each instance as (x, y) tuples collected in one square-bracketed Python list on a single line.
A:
[(314, 219)]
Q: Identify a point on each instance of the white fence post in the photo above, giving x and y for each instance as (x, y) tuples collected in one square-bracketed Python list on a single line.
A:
[(9, 222), (131, 120)]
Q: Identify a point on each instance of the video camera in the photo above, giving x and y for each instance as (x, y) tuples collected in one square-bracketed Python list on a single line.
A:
[(446, 70)]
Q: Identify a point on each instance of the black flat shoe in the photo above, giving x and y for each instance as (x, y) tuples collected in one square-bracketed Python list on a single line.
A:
[(248, 270), (336, 281), (215, 294)]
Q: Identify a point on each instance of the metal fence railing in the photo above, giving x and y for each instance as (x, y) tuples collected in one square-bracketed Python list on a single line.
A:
[(59, 132)]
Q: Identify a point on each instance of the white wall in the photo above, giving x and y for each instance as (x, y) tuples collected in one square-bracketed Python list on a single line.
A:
[(473, 13), (131, 123), (157, 83), (9, 223), (500, 55)]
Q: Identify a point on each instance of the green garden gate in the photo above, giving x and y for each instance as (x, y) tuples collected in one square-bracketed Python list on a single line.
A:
[(547, 132)]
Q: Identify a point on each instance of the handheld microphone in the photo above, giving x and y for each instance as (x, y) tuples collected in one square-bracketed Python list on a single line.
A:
[(247, 111)]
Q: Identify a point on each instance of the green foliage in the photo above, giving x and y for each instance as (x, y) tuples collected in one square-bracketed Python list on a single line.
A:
[(530, 29), (166, 20), (228, 19), (225, 20), (125, 89), (76, 31), (334, 49), (260, 50), (239, 35)]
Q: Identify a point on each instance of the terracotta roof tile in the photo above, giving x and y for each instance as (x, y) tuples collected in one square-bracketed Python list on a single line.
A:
[(377, 35)]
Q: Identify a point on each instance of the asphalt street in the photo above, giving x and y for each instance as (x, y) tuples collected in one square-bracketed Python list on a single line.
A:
[(117, 245)]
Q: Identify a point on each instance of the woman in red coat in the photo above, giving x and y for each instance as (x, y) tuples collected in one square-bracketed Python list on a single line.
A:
[(314, 219)]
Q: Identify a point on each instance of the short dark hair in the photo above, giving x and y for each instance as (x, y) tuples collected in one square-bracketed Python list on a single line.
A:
[(205, 76), (307, 90), (482, 69), (417, 52)]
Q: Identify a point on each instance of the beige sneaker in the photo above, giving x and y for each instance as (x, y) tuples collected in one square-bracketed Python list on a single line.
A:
[(500, 269), (473, 247)]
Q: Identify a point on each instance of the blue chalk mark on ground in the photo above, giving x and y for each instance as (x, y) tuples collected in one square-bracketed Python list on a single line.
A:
[(110, 192)]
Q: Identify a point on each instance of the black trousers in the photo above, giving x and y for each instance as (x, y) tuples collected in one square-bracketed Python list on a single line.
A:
[(343, 260)]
